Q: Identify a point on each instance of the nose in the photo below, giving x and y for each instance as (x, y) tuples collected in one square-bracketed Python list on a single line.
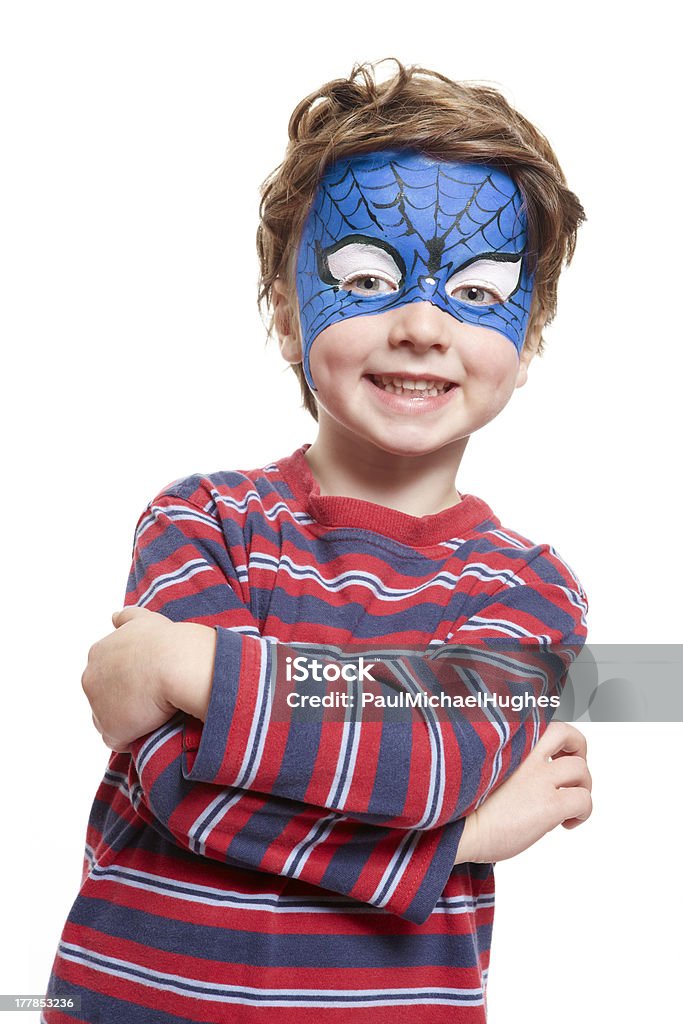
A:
[(420, 324)]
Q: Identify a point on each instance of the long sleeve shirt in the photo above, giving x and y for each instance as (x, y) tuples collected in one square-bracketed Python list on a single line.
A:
[(267, 862)]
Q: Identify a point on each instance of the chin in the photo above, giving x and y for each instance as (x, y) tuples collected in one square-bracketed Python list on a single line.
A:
[(410, 448)]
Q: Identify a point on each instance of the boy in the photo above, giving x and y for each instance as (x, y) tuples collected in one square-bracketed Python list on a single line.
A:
[(242, 859)]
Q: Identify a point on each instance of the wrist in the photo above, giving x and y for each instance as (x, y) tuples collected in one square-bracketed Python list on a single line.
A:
[(468, 847), (188, 670)]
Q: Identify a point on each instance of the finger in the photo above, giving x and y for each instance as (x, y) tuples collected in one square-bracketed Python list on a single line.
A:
[(126, 614), (561, 738), (115, 745), (571, 770), (576, 805)]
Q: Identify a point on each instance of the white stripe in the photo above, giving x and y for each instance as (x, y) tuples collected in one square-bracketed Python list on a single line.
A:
[(171, 579), (453, 543), (273, 902), (260, 721), (277, 511), (514, 542), (393, 868), (200, 830), (317, 833), (434, 800), (497, 721), (350, 744), (575, 598), (216, 992), (359, 578), (503, 626), (174, 512), (157, 740)]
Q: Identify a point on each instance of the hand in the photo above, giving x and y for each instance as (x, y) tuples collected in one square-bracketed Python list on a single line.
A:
[(140, 675), (551, 787)]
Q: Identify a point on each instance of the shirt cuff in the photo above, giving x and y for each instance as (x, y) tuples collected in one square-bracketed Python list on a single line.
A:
[(440, 846), (213, 750)]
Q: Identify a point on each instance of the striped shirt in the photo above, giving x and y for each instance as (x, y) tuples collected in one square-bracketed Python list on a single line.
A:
[(275, 864)]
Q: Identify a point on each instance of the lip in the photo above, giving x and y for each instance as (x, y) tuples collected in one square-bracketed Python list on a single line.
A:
[(414, 406), (413, 376)]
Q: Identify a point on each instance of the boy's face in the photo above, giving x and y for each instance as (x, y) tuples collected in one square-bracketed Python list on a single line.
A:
[(390, 229), (474, 370)]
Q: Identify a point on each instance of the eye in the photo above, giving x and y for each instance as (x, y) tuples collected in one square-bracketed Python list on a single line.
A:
[(476, 296), (368, 284), (362, 268), (485, 282)]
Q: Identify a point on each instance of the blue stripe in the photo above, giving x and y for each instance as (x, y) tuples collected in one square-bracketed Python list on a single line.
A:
[(269, 949)]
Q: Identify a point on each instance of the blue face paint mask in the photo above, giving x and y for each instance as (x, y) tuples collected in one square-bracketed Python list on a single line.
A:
[(393, 227)]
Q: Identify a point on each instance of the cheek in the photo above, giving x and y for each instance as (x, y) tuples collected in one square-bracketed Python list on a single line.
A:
[(339, 348), (491, 359)]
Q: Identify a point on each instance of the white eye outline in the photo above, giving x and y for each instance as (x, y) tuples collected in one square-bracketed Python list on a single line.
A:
[(479, 286), (347, 284), (357, 259), (497, 277)]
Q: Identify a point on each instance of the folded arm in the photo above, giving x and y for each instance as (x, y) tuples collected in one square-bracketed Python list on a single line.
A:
[(429, 764), (435, 765), (182, 567)]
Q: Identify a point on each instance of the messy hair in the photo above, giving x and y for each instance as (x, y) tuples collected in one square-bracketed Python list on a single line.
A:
[(429, 113)]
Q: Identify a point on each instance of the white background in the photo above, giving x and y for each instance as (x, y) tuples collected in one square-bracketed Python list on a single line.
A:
[(135, 136)]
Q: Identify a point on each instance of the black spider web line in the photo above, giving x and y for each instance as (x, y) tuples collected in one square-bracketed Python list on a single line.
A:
[(465, 210), (481, 227), (362, 201), (437, 244), (402, 199)]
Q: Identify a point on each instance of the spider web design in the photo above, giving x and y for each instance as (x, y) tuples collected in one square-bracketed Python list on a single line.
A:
[(438, 216)]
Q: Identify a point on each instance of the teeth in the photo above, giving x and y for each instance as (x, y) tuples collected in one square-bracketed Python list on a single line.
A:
[(399, 385)]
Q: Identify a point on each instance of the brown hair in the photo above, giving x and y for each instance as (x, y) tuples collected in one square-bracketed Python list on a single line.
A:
[(427, 112)]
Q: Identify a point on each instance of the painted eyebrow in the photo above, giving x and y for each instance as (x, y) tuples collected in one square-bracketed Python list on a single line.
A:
[(496, 257), (322, 253), (502, 274)]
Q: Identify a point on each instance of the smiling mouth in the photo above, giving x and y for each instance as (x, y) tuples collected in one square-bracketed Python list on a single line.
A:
[(418, 387)]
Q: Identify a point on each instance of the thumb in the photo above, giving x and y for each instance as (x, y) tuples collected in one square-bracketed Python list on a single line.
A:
[(126, 614)]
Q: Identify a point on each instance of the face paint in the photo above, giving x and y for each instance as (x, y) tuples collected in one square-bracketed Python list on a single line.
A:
[(393, 227)]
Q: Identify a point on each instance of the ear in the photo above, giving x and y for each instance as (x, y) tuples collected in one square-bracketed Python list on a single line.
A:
[(530, 348), (526, 355), (286, 322)]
